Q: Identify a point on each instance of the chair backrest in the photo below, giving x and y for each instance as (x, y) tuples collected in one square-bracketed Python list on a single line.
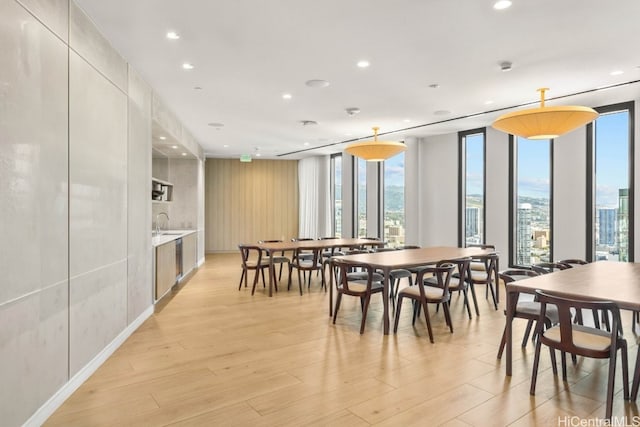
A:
[(566, 341), (573, 261), (442, 272), (269, 241), (343, 268), (301, 239), (327, 238), (462, 266), (384, 249), (549, 267), (490, 262), (511, 275), (309, 258), (250, 252), (408, 247), (482, 246)]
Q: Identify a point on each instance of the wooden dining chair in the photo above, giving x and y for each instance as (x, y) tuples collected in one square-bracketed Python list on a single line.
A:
[(423, 295), (363, 287), (487, 276), (458, 282), (306, 264), (277, 259), (549, 267), (528, 309), (585, 341), (252, 260)]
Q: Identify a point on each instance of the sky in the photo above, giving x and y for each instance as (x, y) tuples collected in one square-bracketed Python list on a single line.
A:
[(533, 162)]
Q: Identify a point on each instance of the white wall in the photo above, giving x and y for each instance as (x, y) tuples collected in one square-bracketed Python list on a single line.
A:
[(570, 195), (438, 197), (497, 191), (75, 123)]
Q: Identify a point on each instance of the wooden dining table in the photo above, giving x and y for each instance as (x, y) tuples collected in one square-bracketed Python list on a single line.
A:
[(618, 282), (406, 258), (272, 248)]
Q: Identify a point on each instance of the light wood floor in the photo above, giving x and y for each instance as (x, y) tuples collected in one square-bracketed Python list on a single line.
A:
[(218, 356)]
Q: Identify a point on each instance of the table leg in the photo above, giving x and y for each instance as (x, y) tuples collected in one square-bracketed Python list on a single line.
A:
[(512, 300), (385, 301), (272, 273), (330, 287)]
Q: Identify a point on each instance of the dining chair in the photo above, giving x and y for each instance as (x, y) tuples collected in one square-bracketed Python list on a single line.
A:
[(365, 286), (549, 267), (487, 276), (475, 264), (528, 309), (395, 276), (252, 260), (423, 295), (302, 262), (585, 341), (458, 282), (277, 259)]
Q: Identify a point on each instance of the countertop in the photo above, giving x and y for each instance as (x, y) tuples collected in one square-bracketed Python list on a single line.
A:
[(167, 236)]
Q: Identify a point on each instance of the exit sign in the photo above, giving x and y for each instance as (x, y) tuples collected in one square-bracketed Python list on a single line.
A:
[(245, 157)]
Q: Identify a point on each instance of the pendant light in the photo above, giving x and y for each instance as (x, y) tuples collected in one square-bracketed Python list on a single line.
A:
[(375, 151), (545, 122)]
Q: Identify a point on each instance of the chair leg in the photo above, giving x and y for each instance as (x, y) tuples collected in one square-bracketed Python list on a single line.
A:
[(245, 282), (636, 378), (534, 373), (255, 281), (625, 371), (264, 283), (365, 308), (447, 315), (338, 301), (475, 299), (563, 358), (527, 331), (610, 384), (554, 368), (398, 307), (426, 317), (503, 342), (493, 295), (324, 281), (466, 302), (289, 280)]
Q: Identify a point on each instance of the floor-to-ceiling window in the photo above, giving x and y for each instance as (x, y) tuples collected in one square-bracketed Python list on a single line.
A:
[(336, 193), (532, 201), (393, 216), (610, 153), (472, 202)]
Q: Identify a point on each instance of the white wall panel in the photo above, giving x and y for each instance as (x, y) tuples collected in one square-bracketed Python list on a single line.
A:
[(438, 176), (569, 195), (497, 191)]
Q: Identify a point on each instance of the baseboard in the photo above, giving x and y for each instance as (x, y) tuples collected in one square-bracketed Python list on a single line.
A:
[(51, 405), (200, 262)]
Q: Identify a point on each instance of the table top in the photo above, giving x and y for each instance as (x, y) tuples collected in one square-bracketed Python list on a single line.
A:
[(414, 257), (604, 280), (318, 244)]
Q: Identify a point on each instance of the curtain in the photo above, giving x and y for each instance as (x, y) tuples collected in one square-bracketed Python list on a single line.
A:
[(315, 199)]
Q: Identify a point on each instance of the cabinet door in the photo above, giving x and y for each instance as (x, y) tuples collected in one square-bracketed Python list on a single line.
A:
[(165, 268), (189, 253)]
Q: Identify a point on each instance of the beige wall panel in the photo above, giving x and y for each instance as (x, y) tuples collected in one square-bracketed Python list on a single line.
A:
[(247, 202)]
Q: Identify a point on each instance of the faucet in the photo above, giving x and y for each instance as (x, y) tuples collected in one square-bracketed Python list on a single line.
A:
[(158, 222)]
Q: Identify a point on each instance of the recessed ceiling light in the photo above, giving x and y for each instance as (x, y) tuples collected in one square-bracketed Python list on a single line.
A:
[(175, 147), (184, 154), (187, 66), (363, 64), (162, 138), (226, 145), (488, 102), (258, 155), (501, 4), (286, 96), (616, 72), (505, 66), (306, 144), (406, 120), (172, 35), (347, 134), (317, 83)]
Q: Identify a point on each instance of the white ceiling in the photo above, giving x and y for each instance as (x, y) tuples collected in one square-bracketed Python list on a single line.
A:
[(247, 53)]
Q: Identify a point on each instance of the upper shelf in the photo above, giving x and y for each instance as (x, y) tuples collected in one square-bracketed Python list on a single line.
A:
[(161, 191)]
